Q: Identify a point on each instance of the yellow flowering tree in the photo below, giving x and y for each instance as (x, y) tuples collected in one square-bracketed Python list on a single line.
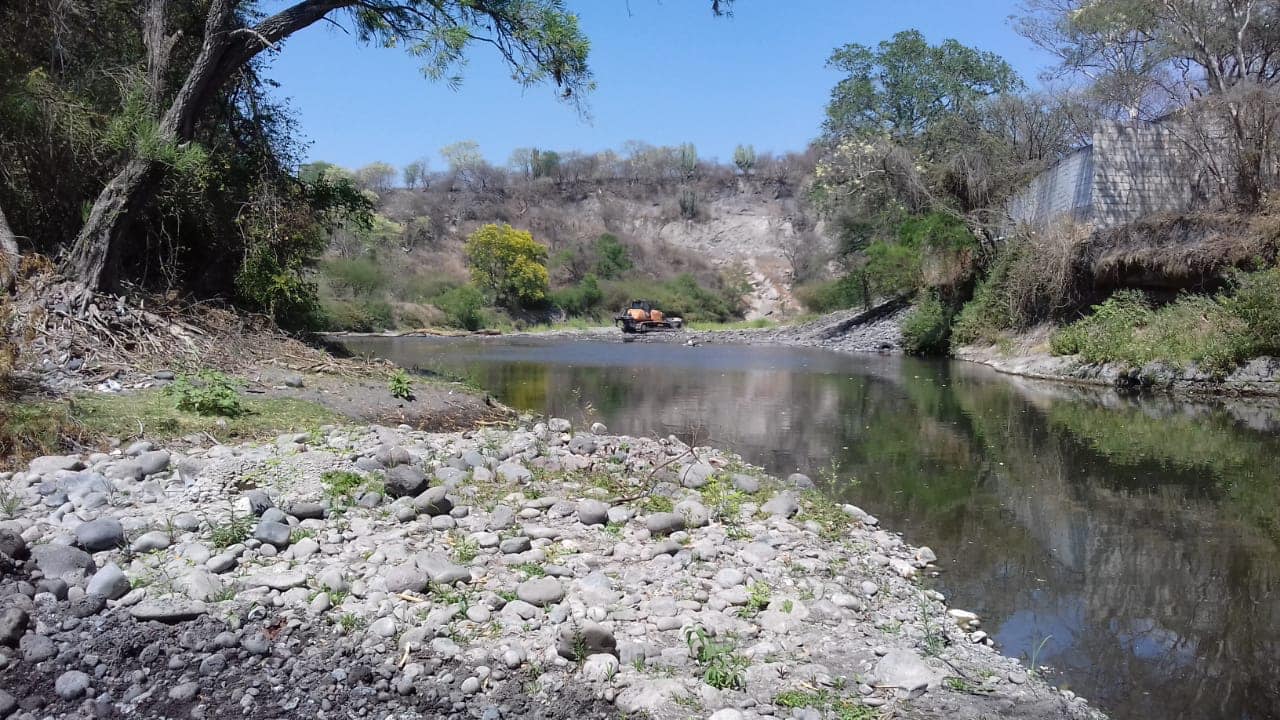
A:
[(508, 264)]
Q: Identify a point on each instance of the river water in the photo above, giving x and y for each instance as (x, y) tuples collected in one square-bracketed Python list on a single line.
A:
[(1132, 546)]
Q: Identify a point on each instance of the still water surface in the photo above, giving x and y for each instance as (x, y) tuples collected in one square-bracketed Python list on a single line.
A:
[(1137, 542)]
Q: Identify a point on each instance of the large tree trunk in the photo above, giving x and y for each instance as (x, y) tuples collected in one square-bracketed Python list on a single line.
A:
[(92, 262), (8, 254)]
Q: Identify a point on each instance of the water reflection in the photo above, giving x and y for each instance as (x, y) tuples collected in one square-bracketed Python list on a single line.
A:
[(1134, 544)]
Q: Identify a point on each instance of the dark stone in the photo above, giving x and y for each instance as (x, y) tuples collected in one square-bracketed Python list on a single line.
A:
[(405, 481)]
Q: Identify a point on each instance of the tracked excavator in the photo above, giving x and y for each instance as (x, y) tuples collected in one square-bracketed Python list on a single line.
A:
[(643, 317)]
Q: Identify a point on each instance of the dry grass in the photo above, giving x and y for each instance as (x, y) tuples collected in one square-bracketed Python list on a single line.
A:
[(1182, 251)]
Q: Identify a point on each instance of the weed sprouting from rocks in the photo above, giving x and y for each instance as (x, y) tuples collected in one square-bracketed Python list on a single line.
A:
[(532, 570), (722, 667), (400, 384), (841, 708), (235, 530), (759, 595)]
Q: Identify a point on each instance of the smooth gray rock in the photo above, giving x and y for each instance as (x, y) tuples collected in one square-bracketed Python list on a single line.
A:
[(758, 554), (906, 671), (801, 481), (513, 473), (293, 380), (8, 703), (307, 510), (37, 648), (514, 545), (71, 684), (404, 481), (109, 582), (746, 483), (452, 476), (185, 692), (406, 577), (502, 518), (49, 464), (153, 540), (593, 512), (259, 501), (272, 533), (124, 470), (784, 505), (582, 445), (62, 561), (281, 580), (13, 624), (433, 502), (275, 515), (559, 425), (696, 475), (13, 546), (441, 569), (101, 534), (200, 585), (155, 461), (168, 610), (393, 456), (540, 592), (591, 638), (664, 523), (695, 514)]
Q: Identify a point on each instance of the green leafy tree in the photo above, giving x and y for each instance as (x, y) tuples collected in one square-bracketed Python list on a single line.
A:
[(904, 85), (509, 264), (376, 176), (463, 307), (612, 259), (539, 39)]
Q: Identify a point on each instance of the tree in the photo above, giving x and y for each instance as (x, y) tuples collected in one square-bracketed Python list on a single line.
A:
[(612, 259), (417, 173), (539, 39), (688, 159), (744, 156), (508, 264), (376, 176), (903, 85), (1217, 59)]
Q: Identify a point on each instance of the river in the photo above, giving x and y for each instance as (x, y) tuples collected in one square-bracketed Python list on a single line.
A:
[(1131, 545)]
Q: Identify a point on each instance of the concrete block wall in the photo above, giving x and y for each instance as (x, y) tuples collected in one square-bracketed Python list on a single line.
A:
[(1064, 189), (1127, 173)]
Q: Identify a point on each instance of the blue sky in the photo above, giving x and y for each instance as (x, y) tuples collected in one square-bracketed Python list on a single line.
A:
[(667, 72)]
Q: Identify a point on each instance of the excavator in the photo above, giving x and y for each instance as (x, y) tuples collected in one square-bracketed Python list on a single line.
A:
[(642, 317)]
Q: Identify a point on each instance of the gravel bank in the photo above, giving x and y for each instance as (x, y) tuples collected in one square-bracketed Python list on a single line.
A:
[(536, 572)]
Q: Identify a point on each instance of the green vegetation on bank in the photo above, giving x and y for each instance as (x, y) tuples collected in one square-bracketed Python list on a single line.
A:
[(1215, 332)]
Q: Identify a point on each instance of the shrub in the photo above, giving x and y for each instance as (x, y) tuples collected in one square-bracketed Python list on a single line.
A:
[(1195, 328), (463, 307), (585, 298), (847, 291), (209, 393), (1256, 303), (361, 276), (926, 329), (359, 315), (612, 259), (400, 384)]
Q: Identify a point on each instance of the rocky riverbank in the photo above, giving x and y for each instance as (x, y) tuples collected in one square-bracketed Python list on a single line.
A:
[(1028, 356), (530, 572)]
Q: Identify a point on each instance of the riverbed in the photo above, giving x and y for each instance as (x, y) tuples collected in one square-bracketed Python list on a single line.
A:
[(1131, 545)]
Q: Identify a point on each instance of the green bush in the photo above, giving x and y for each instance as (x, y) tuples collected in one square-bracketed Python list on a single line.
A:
[(585, 298), (846, 291), (681, 296), (209, 393), (358, 315), (463, 307), (360, 276), (1216, 333), (926, 329), (612, 259)]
